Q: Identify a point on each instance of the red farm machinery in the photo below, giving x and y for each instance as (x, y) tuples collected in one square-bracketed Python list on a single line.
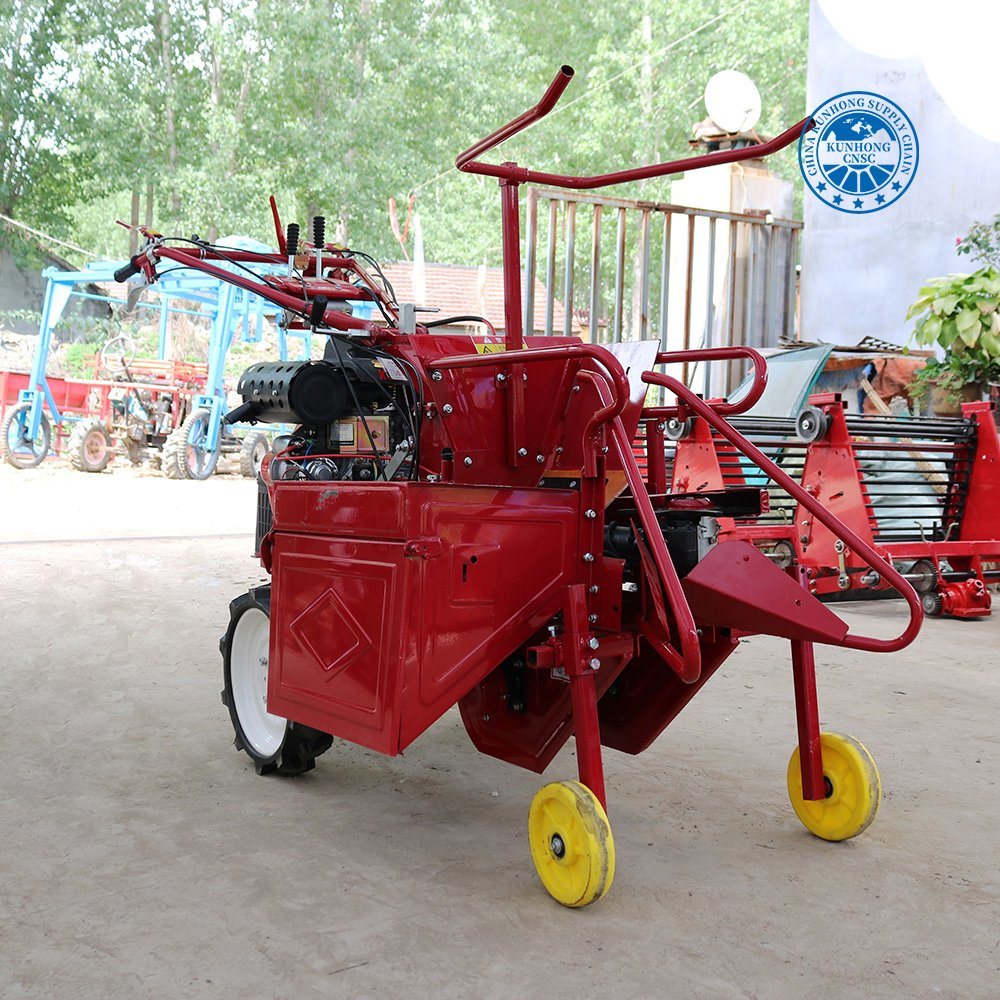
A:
[(923, 491), (462, 520)]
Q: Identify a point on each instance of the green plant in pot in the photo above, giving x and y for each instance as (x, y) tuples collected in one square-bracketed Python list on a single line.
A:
[(959, 313)]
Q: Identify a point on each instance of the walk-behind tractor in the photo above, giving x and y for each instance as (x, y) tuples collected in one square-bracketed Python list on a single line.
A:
[(460, 520)]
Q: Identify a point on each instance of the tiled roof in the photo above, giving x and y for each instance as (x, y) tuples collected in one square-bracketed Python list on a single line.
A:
[(458, 289)]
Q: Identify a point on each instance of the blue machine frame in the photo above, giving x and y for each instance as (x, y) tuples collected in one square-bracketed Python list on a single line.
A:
[(227, 307)]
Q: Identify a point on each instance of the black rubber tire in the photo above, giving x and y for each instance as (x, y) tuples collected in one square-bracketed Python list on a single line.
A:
[(170, 464), (194, 418), (253, 448), (301, 744), (86, 434), (19, 459)]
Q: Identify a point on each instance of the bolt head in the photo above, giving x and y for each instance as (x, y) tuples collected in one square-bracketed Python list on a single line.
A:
[(590, 514), (540, 459), (593, 642), (592, 619), (447, 408), (588, 557), (594, 664), (522, 452), (436, 376), (501, 377), (467, 460), (593, 589)]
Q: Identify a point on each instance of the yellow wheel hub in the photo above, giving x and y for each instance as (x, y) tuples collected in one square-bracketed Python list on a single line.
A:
[(853, 788), (571, 843)]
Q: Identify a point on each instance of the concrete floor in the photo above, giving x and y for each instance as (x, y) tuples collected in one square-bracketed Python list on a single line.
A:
[(140, 856)]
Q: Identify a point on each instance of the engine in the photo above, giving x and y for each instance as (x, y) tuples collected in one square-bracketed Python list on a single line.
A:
[(355, 415)]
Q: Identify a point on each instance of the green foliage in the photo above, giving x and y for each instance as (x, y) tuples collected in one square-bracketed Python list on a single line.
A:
[(982, 242), (960, 313), (208, 106), (952, 376)]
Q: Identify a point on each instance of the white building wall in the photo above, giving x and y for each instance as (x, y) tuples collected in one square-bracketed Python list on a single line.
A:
[(860, 272)]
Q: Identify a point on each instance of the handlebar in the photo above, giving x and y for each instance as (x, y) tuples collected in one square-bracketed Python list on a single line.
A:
[(813, 505), (468, 161), (129, 269), (717, 354)]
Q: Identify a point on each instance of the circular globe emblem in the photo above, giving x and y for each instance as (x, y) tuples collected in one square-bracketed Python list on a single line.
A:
[(861, 153)]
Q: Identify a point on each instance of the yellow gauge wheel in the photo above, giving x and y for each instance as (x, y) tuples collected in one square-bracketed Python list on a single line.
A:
[(853, 790), (571, 843)]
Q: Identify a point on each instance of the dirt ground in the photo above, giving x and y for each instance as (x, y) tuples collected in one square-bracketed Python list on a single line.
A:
[(140, 856)]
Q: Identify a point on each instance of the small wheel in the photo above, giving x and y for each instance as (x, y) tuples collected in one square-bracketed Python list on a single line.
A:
[(90, 447), (275, 745), (18, 449), (853, 790), (194, 459), (253, 448), (571, 843)]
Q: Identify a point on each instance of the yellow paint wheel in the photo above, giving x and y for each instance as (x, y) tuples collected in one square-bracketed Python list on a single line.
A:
[(571, 843), (853, 790)]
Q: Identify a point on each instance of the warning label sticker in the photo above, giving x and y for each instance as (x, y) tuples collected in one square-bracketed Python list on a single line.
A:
[(490, 348)]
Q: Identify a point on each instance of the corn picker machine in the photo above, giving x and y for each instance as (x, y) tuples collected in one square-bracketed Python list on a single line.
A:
[(462, 520)]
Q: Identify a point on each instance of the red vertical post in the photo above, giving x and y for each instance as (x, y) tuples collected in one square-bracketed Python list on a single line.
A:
[(807, 717), (656, 457), (807, 709), (510, 220), (583, 692)]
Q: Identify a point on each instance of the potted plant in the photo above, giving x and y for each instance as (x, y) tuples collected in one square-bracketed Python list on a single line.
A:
[(960, 313)]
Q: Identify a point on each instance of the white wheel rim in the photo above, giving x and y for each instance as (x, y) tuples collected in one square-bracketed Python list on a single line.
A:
[(248, 675)]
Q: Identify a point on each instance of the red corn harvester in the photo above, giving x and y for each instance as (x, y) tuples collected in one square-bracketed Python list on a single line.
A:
[(460, 520)]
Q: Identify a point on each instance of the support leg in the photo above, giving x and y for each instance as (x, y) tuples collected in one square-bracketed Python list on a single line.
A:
[(583, 693), (807, 716)]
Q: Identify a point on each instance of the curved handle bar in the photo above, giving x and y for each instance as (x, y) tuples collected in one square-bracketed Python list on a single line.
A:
[(875, 561), (333, 317), (510, 171), (619, 381), (718, 354), (522, 121)]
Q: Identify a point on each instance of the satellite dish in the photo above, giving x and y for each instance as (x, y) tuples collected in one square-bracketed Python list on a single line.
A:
[(733, 101)]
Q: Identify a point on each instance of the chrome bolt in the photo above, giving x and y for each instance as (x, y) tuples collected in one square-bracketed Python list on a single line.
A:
[(593, 642), (540, 459), (522, 452), (576, 388), (436, 376), (468, 460), (591, 514), (501, 377), (594, 664), (661, 426), (524, 376), (593, 589), (447, 408), (588, 557), (592, 619), (557, 847), (559, 450)]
